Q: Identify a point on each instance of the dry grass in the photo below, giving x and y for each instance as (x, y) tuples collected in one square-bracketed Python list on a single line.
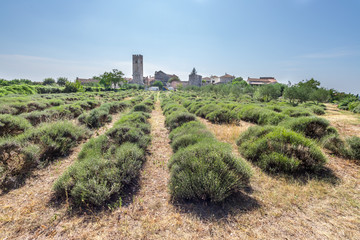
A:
[(227, 132), (347, 123), (273, 208)]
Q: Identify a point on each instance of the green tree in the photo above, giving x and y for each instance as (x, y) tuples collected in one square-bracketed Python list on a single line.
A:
[(73, 87), (61, 81), (310, 84), (108, 78), (174, 78), (268, 92), (49, 81), (291, 93), (320, 95), (158, 84), (238, 80), (193, 71)]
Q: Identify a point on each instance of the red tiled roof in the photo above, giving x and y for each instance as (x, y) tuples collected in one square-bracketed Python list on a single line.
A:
[(261, 80), (227, 76)]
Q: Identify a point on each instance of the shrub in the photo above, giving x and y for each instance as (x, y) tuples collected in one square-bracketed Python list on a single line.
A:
[(206, 171), (195, 106), (354, 147), (125, 133), (12, 125), (15, 161), (255, 114), (317, 110), (37, 117), (174, 107), (176, 119), (108, 163), (23, 153), (191, 138), (23, 89), (356, 109), (205, 110), (270, 117), (296, 112), (312, 127), (55, 139), (186, 128), (220, 116), (335, 144), (95, 118), (142, 108), (134, 117), (276, 149), (95, 180)]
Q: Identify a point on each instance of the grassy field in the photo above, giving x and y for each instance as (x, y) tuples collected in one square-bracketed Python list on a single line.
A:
[(321, 205)]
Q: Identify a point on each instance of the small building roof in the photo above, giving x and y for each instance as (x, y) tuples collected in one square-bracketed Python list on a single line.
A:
[(227, 76), (262, 80)]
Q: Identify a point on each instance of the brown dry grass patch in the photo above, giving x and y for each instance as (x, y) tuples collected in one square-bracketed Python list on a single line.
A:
[(347, 123)]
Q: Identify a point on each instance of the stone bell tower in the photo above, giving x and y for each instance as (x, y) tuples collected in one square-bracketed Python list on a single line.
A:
[(138, 76)]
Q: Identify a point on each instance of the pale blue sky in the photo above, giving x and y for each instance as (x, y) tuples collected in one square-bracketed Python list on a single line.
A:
[(291, 40)]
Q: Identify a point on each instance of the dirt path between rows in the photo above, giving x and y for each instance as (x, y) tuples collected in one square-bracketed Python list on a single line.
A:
[(25, 212)]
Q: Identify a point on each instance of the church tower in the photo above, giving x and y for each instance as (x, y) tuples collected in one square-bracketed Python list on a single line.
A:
[(138, 76)]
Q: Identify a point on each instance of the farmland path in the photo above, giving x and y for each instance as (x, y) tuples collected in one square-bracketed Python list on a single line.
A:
[(346, 122), (25, 212)]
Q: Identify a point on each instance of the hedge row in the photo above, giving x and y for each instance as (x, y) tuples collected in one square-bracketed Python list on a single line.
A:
[(201, 168), (17, 89), (68, 111), (277, 149), (107, 164), (25, 104), (12, 125), (99, 116), (36, 147), (17, 107)]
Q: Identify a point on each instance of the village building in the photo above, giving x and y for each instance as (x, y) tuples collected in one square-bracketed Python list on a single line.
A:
[(206, 81), (163, 77), (261, 81), (177, 84), (149, 80), (138, 76), (214, 79), (128, 80), (195, 79), (84, 81), (226, 78)]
